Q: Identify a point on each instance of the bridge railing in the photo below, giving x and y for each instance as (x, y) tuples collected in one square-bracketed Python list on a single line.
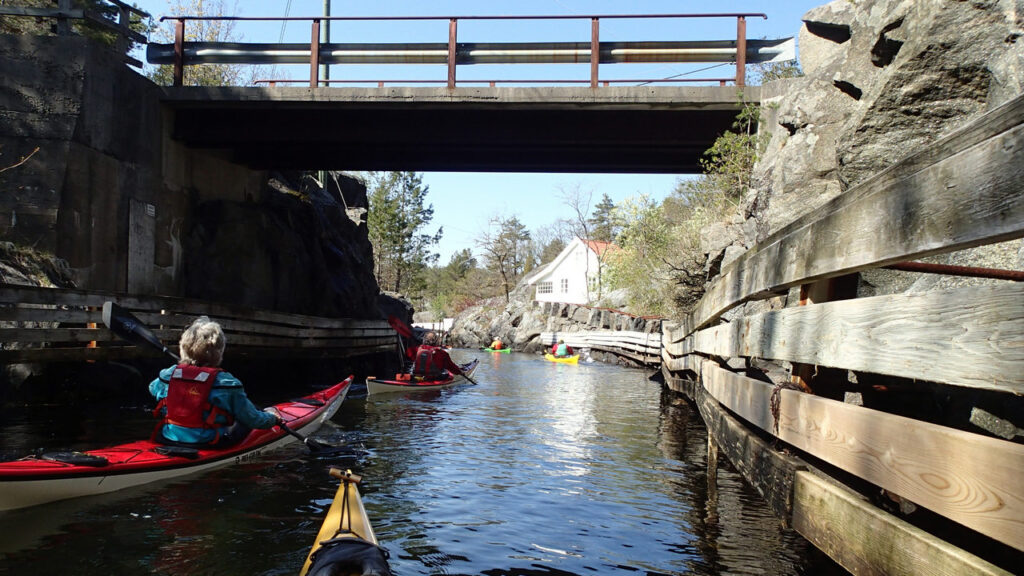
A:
[(851, 356), (740, 50), (116, 19), (53, 325)]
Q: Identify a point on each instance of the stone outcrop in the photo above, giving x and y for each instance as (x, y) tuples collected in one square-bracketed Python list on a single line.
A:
[(882, 79), (300, 248)]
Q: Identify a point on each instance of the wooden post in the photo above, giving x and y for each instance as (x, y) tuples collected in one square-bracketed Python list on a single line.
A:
[(179, 51), (838, 288), (712, 505), (453, 28), (63, 26), (595, 50), (314, 55)]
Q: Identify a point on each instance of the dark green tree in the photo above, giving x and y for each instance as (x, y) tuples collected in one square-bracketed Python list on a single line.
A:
[(396, 222), (602, 221)]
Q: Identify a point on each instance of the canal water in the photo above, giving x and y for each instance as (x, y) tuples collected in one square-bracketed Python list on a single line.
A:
[(539, 469)]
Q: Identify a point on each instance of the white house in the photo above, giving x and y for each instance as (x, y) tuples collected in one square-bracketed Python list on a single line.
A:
[(568, 277)]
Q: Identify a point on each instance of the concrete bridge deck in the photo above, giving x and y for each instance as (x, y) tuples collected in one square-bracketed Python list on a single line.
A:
[(637, 129)]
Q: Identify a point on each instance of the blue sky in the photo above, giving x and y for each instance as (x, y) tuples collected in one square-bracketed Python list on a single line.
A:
[(533, 198)]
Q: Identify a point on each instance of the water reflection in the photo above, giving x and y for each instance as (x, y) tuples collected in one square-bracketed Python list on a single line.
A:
[(541, 469)]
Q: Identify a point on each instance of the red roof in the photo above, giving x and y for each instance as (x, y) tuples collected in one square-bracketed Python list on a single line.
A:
[(599, 247)]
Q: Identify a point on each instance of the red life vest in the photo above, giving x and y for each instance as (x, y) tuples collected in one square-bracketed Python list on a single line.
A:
[(424, 364), (188, 398)]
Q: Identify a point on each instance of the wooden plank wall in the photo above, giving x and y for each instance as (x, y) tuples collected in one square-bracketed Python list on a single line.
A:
[(51, 324), (966, 190)]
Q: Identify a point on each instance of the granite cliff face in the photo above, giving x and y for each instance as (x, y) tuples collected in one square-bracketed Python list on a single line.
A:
[(301, 248), (883, 79)]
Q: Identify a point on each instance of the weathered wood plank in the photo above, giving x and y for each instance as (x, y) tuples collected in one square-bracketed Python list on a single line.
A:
[(73, 315), (981, 343), (969, 478), (972, 198), (769, 471), (14, 294), (684, 386), (867, 541)]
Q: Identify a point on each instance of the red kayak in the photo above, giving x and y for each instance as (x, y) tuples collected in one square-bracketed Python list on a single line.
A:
[(409, 383), (57, 476)]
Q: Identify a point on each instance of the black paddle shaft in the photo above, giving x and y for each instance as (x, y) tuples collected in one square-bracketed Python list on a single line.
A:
[(127, 326)]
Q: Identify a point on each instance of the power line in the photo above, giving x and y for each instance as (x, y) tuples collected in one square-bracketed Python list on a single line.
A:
[(284, 24)]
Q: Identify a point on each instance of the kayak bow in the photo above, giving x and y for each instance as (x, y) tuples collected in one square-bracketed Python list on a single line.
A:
[(346, 542)]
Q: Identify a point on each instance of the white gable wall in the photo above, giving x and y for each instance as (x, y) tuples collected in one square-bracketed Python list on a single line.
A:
[(565, 278)]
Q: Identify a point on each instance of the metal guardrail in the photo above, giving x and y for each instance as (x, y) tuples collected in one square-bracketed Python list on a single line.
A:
[(741, 50), (66, 11)]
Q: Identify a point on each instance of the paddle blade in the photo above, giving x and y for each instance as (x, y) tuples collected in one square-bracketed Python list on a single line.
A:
[(127, 326), (400, 327)]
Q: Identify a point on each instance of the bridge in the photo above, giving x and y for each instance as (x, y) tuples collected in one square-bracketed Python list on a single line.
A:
[(648, 127), (513, 129)]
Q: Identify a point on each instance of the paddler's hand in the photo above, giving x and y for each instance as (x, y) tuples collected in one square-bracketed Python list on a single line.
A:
[(277, 415)]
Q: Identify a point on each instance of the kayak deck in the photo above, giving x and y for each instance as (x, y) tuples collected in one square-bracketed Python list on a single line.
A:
[(37, 480), (380, 386), (574, 359), (346, 520)]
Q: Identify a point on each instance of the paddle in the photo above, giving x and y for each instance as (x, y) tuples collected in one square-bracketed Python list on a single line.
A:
[(127, 326)]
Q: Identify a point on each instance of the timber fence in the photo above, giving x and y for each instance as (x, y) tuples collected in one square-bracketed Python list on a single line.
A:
[(965, 191), (635, 338), (54, 324)]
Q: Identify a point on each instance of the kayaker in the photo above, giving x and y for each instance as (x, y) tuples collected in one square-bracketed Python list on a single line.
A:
[(561, 350), (432, 360), (497, 344), (202, 405)]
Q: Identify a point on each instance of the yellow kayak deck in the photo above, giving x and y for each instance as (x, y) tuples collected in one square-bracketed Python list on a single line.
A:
[(574, 359), (346, 517)]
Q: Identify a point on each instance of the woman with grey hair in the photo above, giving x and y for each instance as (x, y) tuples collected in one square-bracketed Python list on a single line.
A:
[(202, 405)]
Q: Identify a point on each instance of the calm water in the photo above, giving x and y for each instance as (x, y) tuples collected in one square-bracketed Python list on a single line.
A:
[(541, 469)]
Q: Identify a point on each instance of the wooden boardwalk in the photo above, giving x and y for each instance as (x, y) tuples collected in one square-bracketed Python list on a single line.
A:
[(54, 325)]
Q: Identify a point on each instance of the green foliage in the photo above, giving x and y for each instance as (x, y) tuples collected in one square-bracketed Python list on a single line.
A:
[(551, 250), (768, 71), (730, 160), (602, 223), (397, 217), (642, 243)]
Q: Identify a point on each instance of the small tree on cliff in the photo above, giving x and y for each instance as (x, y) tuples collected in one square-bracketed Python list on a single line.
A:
[(396, 220)]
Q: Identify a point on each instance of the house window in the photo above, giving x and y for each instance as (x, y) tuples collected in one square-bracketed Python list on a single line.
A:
[(565, 285), (544, 288)]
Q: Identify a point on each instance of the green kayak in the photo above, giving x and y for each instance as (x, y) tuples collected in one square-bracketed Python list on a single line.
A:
[(502, 351)]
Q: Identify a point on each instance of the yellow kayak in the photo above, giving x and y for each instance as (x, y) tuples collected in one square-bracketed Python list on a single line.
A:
[(346, 542), (574, 359)]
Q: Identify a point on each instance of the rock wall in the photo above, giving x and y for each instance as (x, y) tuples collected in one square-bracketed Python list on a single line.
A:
[(882, 80), (130, 209)]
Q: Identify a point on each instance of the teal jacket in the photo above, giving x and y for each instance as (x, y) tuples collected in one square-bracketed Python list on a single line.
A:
[(227, 394)]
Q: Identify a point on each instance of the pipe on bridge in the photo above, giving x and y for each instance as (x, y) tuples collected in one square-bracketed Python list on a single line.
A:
[(758, 51)]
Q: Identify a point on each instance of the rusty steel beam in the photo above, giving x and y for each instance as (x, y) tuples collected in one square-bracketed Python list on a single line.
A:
[(951, 270), (314, 55), (179, 52)]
